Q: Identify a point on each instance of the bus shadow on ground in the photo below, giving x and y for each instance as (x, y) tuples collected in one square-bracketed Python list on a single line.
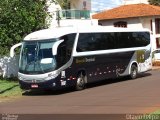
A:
[(88, 86), (117, 80), (8, 89), (47, 92)]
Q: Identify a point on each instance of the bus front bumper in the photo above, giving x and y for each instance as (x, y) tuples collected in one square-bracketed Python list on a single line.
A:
[(53, 84), (50, 84)]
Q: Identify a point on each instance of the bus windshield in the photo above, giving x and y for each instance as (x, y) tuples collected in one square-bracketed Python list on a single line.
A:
[(36, 57)]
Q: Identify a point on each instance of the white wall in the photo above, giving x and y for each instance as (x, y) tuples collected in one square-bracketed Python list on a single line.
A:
[(131, 23), (146, 22), (74, 22), (9, 66), (52, 8)]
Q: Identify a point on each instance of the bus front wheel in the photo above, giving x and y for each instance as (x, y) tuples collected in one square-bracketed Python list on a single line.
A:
[(80, 85), (134, 71)]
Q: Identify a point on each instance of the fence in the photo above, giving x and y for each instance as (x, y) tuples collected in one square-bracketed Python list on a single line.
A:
[(9, 67), (73, 14)]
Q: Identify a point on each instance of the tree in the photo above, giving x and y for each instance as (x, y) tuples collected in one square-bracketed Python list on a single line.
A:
[(19, 18), (154, 2), (65, 4)]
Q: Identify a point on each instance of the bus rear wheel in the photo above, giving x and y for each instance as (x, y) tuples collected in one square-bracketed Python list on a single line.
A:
[(134, 72), (80, 85)]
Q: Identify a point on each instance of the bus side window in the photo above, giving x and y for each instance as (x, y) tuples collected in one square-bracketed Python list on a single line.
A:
[(86, 42)]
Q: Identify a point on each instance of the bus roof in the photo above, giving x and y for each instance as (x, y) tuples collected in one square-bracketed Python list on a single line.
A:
[(50, 33), (60, 31)]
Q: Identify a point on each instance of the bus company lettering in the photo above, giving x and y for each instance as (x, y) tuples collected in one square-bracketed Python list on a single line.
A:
[(82, 60), (85, 60), (90, 59)]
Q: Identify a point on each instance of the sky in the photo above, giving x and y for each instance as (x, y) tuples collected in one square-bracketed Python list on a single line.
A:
[(100, 5)]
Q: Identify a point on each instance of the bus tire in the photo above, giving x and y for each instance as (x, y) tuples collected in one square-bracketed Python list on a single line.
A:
[(80, 84), (134, 72)]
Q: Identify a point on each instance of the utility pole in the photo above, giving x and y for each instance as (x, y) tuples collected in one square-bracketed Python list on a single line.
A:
[(58, 17)]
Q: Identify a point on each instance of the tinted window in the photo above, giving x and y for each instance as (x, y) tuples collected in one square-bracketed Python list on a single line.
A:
[(65, 49), (96, 41), (105, 41), (132, 39)]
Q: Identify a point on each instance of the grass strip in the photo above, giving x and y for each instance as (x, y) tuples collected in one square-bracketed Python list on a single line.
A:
[(9, 90)]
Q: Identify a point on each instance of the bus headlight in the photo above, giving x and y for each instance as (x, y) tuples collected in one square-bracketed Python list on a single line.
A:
[(20, 78), (51, 76)]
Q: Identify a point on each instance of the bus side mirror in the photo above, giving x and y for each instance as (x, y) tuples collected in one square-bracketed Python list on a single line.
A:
[(12, 52), (55, 47)]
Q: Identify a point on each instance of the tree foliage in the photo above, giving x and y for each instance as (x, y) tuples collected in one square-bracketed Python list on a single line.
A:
[(154, 2), (19, 18), (64, 3)]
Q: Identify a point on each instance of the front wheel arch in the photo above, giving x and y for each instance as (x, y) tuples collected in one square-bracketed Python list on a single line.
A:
[(81, 80), (133, 71)]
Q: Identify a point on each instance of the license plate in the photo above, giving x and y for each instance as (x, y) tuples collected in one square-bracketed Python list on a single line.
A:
[(34, 86)]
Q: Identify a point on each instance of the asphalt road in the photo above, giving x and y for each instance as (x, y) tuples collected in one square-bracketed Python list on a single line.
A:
[(118, 96)]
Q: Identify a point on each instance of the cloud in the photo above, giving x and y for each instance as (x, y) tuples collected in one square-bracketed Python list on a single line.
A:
[(117, 2), (100, 5)]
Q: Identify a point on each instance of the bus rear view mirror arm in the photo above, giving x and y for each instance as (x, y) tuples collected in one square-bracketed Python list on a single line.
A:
[(12, 52), (55, 46)]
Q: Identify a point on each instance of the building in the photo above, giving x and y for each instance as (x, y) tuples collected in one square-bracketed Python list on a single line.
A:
[(133, 16), (80, 4), (94, 5), (79, 12)]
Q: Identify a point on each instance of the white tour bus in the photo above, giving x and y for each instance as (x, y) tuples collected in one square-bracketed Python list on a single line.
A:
[(69, 56)]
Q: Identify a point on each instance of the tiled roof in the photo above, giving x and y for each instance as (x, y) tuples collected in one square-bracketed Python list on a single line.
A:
[(128, 11)]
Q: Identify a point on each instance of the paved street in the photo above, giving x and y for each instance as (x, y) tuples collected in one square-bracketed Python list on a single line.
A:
[(117, 96)]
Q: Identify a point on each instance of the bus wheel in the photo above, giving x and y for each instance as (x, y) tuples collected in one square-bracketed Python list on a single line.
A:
[(80, 85), (134, 72)]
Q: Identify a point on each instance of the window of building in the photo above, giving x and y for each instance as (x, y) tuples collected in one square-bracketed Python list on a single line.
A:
[(151, 25), (157, 22), (158, 42), (84, 5), (122, 24)]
